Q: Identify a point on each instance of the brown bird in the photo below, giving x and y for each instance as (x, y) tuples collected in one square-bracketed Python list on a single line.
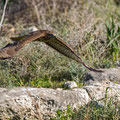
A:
[(45, 36)]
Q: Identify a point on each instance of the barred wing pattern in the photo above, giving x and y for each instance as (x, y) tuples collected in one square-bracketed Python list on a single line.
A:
[(47, 37), (67, 51)]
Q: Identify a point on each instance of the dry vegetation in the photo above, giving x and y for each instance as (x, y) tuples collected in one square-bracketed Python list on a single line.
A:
[(91, 27)]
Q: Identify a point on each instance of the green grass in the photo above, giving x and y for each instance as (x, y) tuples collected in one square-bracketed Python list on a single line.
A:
[(66, 115), (113, 39)]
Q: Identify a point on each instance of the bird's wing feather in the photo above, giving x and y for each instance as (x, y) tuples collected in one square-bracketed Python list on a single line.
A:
[(17, 38), (63, 48)]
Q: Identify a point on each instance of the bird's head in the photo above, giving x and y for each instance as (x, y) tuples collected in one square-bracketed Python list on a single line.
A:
[(46, 36), (49, 36)]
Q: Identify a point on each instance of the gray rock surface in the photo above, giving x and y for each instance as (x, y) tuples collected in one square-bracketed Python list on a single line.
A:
[(98, 92), (112, 74), (42, 103), (33, 103)]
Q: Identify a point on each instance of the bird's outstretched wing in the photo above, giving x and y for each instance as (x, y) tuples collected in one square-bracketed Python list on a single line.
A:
[(63, 48), (43, 36)]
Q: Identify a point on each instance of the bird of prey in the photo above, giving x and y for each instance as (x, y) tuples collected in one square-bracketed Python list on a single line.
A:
[(45, 36)]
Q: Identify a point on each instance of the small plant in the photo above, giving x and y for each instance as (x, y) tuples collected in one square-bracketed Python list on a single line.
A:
[(113, 39), (67, 115)]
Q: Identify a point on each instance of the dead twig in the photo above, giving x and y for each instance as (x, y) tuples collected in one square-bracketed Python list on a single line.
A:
[(3, 15), (35, 104), (36, 11)]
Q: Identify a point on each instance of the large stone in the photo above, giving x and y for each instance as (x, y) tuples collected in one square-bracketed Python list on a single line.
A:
[(36, 103), (112, 74), (99, 92), (42, 103)]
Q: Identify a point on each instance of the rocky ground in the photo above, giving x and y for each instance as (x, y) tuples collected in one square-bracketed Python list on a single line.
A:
[(42, 103)]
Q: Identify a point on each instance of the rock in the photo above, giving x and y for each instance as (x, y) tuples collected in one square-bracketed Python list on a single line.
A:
[(42, 103), (70, 84), (33, 103), (32, 29), (98, 93), (112, 74)]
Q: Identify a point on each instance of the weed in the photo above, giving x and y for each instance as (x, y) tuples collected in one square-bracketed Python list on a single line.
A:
[(67, 115), (113, 39)]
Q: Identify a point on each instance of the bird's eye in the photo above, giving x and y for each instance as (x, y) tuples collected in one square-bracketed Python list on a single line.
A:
[(50, 35)]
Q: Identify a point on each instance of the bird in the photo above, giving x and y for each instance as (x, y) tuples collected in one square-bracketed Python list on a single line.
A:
[(49, 38)]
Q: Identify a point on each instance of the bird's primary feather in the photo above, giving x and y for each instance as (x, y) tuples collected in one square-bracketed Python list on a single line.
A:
[(67, 51)]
